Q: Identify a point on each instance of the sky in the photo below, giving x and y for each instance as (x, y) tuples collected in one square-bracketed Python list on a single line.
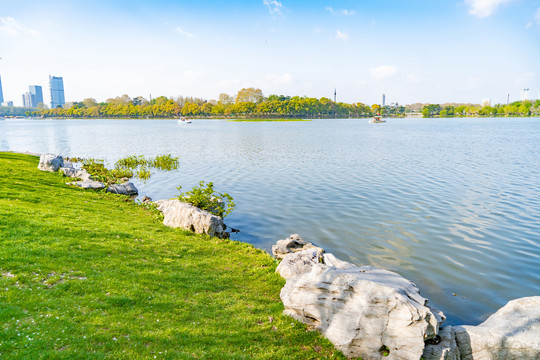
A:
[(413, 51)]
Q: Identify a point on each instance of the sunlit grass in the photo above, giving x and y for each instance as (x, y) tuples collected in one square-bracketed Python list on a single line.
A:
[(90, 275)]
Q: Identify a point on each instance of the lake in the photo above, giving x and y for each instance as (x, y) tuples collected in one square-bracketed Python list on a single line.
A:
[(451, 204)]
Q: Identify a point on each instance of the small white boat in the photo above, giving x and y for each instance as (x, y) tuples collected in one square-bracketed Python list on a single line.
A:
[(184, 120), (377, 119)]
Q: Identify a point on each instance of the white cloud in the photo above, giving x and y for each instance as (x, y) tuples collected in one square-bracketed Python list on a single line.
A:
[(183, 32), (275, 79), (413, 79), (342, 36), (383, 72), (484, 8), (12, 27), (344, 11), (273, 6)]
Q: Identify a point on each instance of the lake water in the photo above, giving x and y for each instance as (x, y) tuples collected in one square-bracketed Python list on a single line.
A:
[(453, 205)]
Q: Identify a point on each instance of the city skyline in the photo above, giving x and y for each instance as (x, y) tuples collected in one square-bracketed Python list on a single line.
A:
[(459, 51), (33, 97)]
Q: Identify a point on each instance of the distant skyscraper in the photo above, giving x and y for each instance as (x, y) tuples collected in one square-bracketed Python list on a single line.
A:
[(33, 97), (1, 93), (383, 100), (56, 86)]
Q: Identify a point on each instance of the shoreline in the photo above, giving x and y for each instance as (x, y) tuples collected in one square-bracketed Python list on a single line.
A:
[(90, 274), (454, 338)]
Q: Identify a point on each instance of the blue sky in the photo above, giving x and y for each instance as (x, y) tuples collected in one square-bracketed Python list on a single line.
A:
[(416, 51)]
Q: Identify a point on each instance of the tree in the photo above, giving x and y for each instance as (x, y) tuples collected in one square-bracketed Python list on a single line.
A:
[(89, 102), (250, 95), (431, 110), (120, 100), (225, 99)]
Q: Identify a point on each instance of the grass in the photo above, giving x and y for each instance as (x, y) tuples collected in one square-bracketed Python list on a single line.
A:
[(266, 120), (90, 275)]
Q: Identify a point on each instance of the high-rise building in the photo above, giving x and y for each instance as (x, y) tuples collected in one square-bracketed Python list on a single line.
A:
[(56, 86), (383, 100), (1, 93), (33, 97)]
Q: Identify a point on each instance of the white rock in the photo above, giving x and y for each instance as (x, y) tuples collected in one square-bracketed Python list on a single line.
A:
[(331, 260), (50, 162), (88, 184), (292, 244), (189, 217), (444, 348), (362, 310), (123, 189), (513, 332), (75, 173), (298, 263)]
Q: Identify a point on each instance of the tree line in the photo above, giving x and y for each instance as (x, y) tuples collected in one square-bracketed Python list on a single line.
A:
[(517, 108), (248, 102)]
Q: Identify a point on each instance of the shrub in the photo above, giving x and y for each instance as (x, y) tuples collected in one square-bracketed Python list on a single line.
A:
[(206, 198)]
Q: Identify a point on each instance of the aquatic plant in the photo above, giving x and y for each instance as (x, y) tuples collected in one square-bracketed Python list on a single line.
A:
[(142, 165), (206, 198), (131, 166)]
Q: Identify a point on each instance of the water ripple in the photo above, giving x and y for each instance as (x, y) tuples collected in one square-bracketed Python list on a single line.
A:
[(452, 205)]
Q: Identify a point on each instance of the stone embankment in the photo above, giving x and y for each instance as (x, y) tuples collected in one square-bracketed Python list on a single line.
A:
[(377, 314)]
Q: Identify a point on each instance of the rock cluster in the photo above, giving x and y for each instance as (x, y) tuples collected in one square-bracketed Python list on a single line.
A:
[(364, 311), (186, 216), (377, 314), (175, 212), (53, 163)]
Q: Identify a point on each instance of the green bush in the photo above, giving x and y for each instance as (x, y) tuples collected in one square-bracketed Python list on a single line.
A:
[(206, 198)]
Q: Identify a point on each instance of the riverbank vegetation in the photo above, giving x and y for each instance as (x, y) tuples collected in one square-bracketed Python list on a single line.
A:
[(91, 275), (250, 104), (517, 108)]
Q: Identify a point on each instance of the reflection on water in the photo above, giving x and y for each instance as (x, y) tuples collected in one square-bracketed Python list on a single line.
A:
[(450, 204)]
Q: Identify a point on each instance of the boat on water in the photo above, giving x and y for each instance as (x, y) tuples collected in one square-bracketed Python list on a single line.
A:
[(184, 120), (377, 119)]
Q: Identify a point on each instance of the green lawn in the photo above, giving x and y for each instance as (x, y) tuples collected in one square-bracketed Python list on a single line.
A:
[(91, 275)]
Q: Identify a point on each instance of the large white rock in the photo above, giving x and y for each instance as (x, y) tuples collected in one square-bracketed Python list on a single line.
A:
[(123, 189), (298, 263), (364, 311), (294, 243), (189, 217), (50, 162), (513, 332)]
